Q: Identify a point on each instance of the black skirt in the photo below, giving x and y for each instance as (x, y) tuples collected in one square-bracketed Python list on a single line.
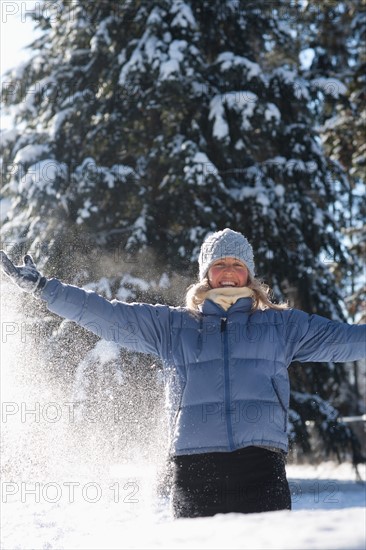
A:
[(249, 480)]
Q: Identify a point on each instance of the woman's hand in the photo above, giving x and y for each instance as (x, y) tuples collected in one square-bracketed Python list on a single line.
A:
[(26, 276)]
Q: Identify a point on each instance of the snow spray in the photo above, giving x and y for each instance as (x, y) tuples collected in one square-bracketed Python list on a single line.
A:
[(77, 428)]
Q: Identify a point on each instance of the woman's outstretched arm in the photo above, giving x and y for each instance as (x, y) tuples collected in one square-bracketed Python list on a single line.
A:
[(137, 327)]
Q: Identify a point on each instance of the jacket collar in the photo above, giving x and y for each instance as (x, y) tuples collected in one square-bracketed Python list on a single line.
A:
[(212, 308)]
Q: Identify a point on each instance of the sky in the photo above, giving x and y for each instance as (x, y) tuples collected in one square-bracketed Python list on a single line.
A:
[(17, 31)]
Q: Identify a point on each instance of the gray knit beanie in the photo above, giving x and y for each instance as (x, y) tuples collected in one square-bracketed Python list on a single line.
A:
[(223, 244)]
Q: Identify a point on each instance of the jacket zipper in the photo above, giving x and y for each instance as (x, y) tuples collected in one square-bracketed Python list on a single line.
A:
[(227, 383)]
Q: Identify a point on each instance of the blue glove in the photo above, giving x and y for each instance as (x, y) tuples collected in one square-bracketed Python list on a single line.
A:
[(25, 276)]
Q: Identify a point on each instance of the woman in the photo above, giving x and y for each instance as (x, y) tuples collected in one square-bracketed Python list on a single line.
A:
[(226, 356)]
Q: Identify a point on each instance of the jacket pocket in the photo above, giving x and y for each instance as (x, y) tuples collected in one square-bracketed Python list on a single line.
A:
[(281, 402)]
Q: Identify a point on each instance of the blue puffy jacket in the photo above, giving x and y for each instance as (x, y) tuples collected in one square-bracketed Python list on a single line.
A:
[(227, 369)]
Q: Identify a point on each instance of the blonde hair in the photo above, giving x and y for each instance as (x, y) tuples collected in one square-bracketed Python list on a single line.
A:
[(196, 295)]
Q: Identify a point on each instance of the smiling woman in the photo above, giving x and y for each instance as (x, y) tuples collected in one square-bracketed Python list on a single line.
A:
[(227, 273), (226, 358)]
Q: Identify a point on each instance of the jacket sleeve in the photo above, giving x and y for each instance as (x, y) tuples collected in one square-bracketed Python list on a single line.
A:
[(314, 338), (135, 326)]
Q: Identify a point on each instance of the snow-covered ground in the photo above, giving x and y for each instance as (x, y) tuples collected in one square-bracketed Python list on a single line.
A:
[(57, 495), (329, 513)]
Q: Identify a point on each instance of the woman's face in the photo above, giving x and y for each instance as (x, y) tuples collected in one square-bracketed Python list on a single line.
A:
[(228, 272)]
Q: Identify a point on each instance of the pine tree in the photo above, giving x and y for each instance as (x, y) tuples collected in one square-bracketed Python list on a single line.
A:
[(146, 125), (338, 45)]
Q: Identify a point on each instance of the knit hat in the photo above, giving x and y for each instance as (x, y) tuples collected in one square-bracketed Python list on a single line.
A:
[(224, 244)]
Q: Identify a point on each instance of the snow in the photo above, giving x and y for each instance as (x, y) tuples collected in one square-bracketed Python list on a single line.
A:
[(199, 170), (136, 281), (260, 193), (293, 209), (100, 287), (217, 113), (286, 75), (17, 72), (306, 57), (41, 176), (124, 171), (102, 34), (135, 63), (149, 49), (138, 235), (30, 153), (280, 190), (239, 145), (272, 112), (80, 513), (57, 121), (5, 208), (243, 102), (105, 351), (164, 281), (262, 199), (86, 211), (295, 165), (201, 158), (318, 218), (330, 86), (175, 56), (124, 294), (184, 17), (8, 136), (228, 60)]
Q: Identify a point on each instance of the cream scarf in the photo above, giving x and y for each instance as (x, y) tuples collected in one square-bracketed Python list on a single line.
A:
[(227, 296)]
